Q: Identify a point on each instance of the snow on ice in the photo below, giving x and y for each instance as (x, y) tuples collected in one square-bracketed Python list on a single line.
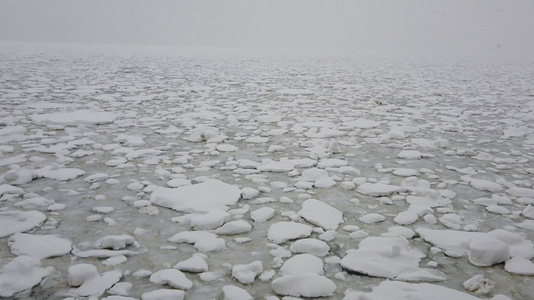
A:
[(171, 177)]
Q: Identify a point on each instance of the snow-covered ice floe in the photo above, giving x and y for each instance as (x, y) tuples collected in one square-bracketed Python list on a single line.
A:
[(174, 177)]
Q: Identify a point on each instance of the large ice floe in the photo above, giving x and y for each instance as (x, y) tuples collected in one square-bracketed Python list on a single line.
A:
[(153, 176)]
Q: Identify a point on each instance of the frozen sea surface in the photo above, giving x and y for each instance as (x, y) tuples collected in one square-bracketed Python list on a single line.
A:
[(152, 176)]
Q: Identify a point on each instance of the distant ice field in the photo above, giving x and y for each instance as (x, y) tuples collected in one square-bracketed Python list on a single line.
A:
[(147, 176)]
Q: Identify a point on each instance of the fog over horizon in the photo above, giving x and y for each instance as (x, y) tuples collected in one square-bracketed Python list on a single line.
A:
[(500, 30)]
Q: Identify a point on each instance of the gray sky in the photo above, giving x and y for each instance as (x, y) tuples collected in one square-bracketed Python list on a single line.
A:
[(429, 28)]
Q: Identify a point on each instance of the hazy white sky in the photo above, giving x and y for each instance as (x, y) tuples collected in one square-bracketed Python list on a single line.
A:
[(456, 28)]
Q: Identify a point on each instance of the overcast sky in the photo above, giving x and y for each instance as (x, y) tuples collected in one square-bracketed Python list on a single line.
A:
[(456, 28)]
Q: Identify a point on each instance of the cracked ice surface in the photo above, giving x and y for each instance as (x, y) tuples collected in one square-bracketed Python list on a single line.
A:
[(153, 176)]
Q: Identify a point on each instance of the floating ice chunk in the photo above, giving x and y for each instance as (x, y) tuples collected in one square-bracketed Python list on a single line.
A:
[(101, 253), (178, 182), (249, 193), (257, 140), (406, 218), (39, 246), (34, 202), (234, 227), (59, 173), (116, 162), (203, 197), (399, 290), (142, 274), (379, 189), (324, 183), (479, 285), (485, 251), (129, 140), (74, 117), (487, 247), (424, 204), (226, 148), (9, 189), (519, 246), (97, 177), (452, 221), (19, 221), (12, 160), (528, 212), (231, 292), (410, 154), (302, 264), (211, 276), (207, 221), (521, 192), (21, 273), (150, 153), (78, 274), (362, 123), (209, 135), (498, 209), (432, 144), (102, 209), (56, 207), (382, 257), (121, 289), (210, 244), (313, 174), (527, 224), (276, 166), (418, 275), (171, 129), (19, 176), (294, 92), (372, 218), (195, 264), (262, 214), (247, 273), (304, 285), (404, 172), (172, 277), (9, 130), (191, 237), (311, 246), (97, 285), (116, 242), (321, 214), (331, 163), (282, 232), (164, 294), (401, 230), (519, 265), (483, 185)]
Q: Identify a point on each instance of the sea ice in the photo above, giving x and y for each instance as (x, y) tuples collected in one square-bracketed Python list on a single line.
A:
[(246, 273), (262, 214), (231, 292), (379, 189), (21, 273), (311, 246), (164, 294), (12, 222), (172, 277), (39, 246), (387, 257), (321, 214), (202, 197), (195, 264), (409, 291), (74, 117), (282, 232)]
